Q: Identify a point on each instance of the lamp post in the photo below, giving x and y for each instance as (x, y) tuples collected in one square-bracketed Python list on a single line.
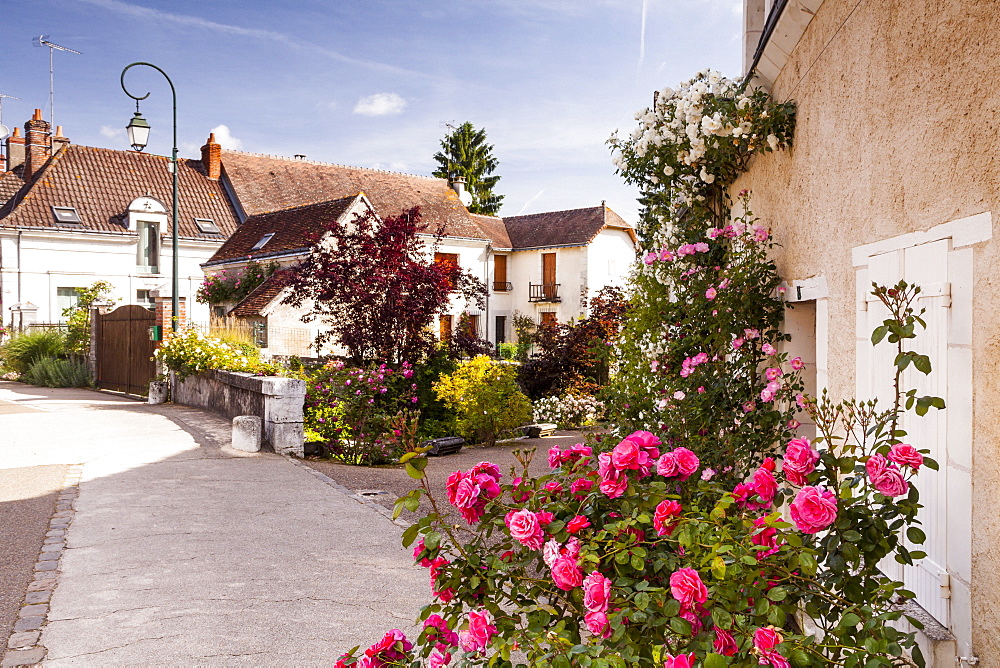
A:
[(138, 134)]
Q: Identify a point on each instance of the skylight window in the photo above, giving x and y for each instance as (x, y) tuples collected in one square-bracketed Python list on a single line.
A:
[(66, 215), (263, 241), (207, 226)]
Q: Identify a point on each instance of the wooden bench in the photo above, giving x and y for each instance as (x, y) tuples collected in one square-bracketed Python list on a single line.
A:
[(540, 429)]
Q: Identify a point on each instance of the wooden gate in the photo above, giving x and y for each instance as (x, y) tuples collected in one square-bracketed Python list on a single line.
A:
[(124, 350)]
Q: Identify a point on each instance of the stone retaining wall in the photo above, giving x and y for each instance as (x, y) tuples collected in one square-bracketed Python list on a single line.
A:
[(276, 401)]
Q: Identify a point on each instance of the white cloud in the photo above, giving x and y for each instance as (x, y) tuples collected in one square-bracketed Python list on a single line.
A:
[(380, 104), (112, 133), (224, 137)]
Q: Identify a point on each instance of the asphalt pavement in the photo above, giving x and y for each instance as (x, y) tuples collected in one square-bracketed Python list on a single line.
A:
[(181, 551)]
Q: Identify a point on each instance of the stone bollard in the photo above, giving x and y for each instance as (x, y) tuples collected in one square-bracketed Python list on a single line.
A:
[(246, 433), (158, 390)]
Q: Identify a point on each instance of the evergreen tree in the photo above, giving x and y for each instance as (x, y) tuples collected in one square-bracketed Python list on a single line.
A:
[(465, 153)]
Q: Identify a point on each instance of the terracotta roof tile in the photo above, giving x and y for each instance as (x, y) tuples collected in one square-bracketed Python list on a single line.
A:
[(494, 229), (266, 183), (576, 227), (100, 183), (263, 294), (292, 229), (10, 183)]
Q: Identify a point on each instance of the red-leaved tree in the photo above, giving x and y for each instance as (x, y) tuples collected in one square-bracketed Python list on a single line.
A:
[(376, 287)]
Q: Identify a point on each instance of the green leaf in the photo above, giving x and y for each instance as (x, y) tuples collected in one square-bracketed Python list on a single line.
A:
[(878, 334), (713, 660), (410, 535), (777, 594), (642, 600), (397, 507), (411, 503), (413, 471), (638, 563), (808, 563), (719, 568), (722, 618), (680, 626), (852, 536), (922, 363), (915, 535)]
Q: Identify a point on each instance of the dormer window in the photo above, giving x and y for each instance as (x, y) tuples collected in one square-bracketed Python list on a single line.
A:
[(207, 226), (66, 215), (263, 241)]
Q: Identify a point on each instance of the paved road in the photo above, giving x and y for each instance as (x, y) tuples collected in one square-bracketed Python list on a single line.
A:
[(184, 552)]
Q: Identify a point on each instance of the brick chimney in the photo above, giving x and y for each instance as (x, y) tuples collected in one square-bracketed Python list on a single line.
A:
[(15, 149), (59, 140), (36, 149), (211, 157)]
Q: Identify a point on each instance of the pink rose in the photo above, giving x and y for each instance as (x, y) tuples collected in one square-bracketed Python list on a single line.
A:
[(679, 462), (905, 454), (445, 594), (762, 484), (480, 631), (581, 487), (772, 373), (679, 661), (637, 452), (577, 523), (768, 349), (597, 623), (566, 574), (392, 647), (555, 457), (724, 643), (524, 527), (687, 587), (596, 592), (891, 482), (766, 638), (800, 460), (440, 659), (711, 294), (766, 538), (813, 509), (437, 632), (613, 482), (796, 363), (650, 257), (666, 511)]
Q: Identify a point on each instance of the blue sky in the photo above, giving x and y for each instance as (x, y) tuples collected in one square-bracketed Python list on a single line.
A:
[(372, 82)]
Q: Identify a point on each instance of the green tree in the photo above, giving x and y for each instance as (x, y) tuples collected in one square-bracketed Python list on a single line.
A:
[(464, 152), (485, 398), (78, 316)]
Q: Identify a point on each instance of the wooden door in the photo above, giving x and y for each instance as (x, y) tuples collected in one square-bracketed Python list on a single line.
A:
[(124, 350), (500, 273), (445, 328), (549, 275)]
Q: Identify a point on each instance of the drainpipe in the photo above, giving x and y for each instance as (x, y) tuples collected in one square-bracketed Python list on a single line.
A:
[(486, 280)]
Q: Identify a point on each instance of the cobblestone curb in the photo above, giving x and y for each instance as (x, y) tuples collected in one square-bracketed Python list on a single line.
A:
[(374, 505), (23, 647)]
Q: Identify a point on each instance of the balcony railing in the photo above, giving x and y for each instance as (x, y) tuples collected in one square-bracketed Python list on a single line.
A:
[(543, 292), (502, 286)]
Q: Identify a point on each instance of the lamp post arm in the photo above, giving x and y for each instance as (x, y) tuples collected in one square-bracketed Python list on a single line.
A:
[(175, 284)]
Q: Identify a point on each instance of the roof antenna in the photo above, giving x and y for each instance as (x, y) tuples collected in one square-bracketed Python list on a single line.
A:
[(43, 40), (4, 130)]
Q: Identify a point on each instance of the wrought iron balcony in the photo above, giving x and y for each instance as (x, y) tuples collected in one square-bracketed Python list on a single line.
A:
[(543, 292), (502, 286)]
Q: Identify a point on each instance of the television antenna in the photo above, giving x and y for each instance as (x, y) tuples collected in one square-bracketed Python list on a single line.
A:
[(43, 40), (4, 130)]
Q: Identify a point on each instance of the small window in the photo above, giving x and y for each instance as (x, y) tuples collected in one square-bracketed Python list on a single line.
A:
[(148, 260), (66, 215), (66, 298), (207, 226), (143, 298), (263, 241)]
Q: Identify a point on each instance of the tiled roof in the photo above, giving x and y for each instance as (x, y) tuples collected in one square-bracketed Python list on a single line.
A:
[(266, 183), (494, 229), (577, 227), (10, 183), (100, 183), (263, 294), (293, 229)]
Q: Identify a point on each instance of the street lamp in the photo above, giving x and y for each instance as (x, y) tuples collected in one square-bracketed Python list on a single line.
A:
[(138, 135)]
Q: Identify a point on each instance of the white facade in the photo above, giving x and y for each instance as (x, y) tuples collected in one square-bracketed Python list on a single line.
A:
[(41, 266)]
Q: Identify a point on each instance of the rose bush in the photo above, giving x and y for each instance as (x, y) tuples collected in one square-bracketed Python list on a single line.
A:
[(652, 563)]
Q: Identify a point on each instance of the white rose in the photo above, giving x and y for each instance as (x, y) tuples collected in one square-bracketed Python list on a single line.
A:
[(772, 141)]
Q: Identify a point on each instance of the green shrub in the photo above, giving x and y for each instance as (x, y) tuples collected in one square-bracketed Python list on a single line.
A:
[(484, 395), (56, 372), (189, 351), (23, 350)]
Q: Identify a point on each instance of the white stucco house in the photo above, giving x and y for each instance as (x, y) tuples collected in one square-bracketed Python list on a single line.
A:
[(543, 265), (73, 215)]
